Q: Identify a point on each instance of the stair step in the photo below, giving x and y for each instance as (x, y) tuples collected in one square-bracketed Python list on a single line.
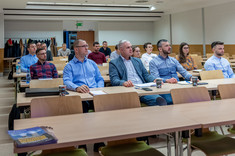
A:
[(5, 109), (3, 134), (7, 101), (7, 94), (7, 148), (4, 120)]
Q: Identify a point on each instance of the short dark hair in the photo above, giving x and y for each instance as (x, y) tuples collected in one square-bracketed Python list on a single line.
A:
[(159, 43), (104, 42), (95, 43), (213, 44), (116, 46), (28, 45), (39, 49), (146, 44)]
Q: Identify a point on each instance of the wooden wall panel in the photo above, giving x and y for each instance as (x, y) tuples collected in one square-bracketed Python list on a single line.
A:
[(1, 60), (193, 49), (88, 36)]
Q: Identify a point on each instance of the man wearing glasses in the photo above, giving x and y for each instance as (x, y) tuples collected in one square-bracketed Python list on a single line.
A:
[(43, 69), (81, 73)]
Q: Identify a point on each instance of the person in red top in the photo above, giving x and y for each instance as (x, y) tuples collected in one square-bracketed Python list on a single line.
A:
[(96, 56), (43, 69)]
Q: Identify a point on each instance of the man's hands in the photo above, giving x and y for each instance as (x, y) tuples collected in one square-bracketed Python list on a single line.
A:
[(128, 84), (83, 89), (172, 80)]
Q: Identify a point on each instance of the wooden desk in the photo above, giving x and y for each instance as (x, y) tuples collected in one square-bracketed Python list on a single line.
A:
[(24, 85), (209, 113), (94, 127), (212, 85), (25, 101)]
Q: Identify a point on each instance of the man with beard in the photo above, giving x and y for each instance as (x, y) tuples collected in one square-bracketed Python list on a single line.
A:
[(217, 62), (166, 67), (43, 69)]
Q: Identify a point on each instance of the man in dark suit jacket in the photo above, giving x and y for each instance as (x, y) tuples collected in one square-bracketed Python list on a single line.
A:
[(127, 71)]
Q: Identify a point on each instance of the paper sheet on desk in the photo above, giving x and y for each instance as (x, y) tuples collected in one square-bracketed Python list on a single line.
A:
[(151, 84), (184, 82), (197, 70), (97, 92)]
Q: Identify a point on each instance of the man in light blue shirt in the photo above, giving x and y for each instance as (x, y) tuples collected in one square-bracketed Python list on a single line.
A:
[(81, 73), (165, 67), (128, 71), (30, 59), (115, 54), (217, 62)]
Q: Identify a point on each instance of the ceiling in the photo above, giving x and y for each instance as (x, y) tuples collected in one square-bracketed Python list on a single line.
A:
[(133, 10)]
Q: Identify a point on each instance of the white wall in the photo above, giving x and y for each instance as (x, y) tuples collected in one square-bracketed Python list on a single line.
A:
[(34, 29), (162, 29), (136, 32), (187, 27), (220, 23), (1, 30)]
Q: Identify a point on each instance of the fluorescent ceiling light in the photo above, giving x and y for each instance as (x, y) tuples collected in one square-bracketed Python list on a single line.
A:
[(152, 8), (82, 4)]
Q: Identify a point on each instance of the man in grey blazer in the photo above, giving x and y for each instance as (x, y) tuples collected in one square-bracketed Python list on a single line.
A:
[(127, 71)]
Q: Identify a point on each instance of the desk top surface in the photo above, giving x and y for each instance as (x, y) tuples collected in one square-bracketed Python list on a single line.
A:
[(109, 125), (212, 85)]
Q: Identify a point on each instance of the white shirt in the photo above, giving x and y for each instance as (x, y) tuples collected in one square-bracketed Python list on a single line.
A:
[(131, 72), (146, 58)]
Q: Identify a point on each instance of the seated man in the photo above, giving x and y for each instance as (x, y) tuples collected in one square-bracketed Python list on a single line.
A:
[(96, 56), (115, 54), (64, 51), (105, 49), (165, 67), (49, 55), (81, 74), (217, 62), (27, 60), (43, 68), (127, 71)]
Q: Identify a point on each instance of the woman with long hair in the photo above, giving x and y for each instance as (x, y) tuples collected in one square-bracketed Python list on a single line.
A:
[(185, 59)]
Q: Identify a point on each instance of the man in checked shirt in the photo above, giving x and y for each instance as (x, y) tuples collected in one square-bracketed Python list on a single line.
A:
[(43, 69)]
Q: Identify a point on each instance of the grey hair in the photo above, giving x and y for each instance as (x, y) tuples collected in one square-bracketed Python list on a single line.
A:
[(75, 43), (121, 43), (159, 43)]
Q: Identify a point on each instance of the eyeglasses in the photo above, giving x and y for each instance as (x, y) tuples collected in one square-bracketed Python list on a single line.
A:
[(186, 48), (42, 54), (84, 46)]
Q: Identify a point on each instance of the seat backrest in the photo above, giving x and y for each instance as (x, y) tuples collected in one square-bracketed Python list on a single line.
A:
[(172, 55), (104, 70), (208, 55), (226, 91), (46, 83), (212, 74), (116, 101), (53, 106), (60, 66), (188, 95), (197, 60)]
